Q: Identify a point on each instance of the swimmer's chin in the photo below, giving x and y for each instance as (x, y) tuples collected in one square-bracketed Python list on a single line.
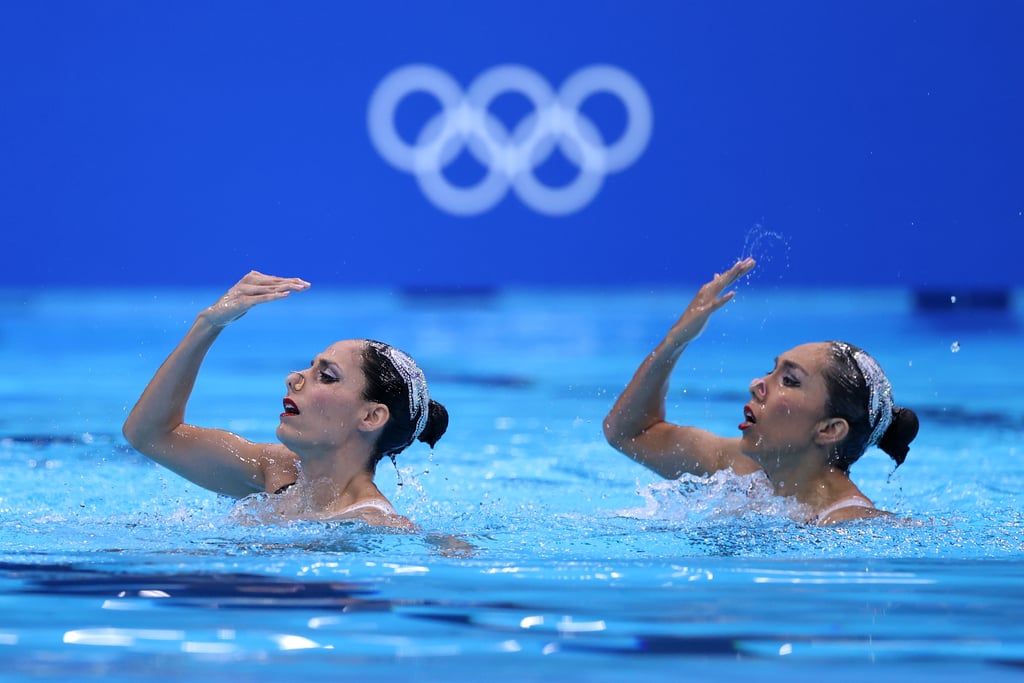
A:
[(287, 436)]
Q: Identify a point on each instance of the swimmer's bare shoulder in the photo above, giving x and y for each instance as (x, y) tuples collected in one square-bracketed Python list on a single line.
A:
[(850, 514), (377, 517)]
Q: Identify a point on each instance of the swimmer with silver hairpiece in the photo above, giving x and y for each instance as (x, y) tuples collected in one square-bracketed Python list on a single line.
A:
[(358, 402), (807, 422)]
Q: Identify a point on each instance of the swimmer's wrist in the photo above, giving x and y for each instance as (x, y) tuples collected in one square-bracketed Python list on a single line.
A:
[(209, 319), (679, 339), (670, 350)]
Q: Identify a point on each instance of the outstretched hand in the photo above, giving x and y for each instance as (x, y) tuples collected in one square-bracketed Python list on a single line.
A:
[(253, 289), (711, 297)]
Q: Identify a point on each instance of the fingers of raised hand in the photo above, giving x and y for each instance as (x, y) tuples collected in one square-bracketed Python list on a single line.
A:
[(272, 281), (739, 269), (711, 295), (256, 283), (729, 277), (253, 289)]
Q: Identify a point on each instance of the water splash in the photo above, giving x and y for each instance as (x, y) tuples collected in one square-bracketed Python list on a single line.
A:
[(769, 248), (722, 495)]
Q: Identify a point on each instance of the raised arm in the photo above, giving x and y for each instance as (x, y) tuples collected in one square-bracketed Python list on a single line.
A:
[(636, 423), (215, 459)]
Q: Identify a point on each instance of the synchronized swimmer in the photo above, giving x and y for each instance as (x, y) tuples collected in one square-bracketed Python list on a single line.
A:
[(806, 423), (358, 402)]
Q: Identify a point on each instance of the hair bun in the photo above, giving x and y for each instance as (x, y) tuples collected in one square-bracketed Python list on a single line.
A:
[(897, 438), (437, 424)]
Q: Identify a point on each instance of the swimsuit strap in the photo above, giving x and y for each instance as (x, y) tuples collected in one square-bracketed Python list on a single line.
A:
[(381, 505), (850, 502)]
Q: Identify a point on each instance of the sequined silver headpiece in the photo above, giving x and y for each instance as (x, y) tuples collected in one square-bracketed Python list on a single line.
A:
[(419, 399), (880, 403)]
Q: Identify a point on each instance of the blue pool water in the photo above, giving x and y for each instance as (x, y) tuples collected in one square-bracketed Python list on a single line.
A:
[(543, 554)]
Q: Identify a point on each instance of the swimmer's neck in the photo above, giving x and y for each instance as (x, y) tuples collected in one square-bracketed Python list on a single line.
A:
[(335, 481), (808, 482)]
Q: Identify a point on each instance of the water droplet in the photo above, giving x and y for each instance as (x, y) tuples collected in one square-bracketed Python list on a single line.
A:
[(952, 299), (955, 347)]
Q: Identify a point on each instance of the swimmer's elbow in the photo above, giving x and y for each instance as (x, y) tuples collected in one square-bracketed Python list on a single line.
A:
[(137, 439), (613, 432), (138, 436), (147, 431), (606, 427), (622, 431), (129, 431)]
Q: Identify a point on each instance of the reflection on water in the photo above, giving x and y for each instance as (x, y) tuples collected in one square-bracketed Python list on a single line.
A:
[(726, 609)]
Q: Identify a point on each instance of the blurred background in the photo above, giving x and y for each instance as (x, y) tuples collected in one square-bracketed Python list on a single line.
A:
[(847, 143)]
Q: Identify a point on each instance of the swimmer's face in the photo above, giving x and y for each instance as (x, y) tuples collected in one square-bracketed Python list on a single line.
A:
[(324, 407), (787, 405)]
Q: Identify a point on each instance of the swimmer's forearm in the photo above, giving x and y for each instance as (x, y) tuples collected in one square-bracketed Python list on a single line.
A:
[(642, 403), (161, 408)]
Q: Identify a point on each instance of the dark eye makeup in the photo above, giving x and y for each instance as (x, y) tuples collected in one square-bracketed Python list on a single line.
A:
[(788, 380)]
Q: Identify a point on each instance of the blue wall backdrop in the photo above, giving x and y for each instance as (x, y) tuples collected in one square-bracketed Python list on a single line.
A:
[(874, 143)]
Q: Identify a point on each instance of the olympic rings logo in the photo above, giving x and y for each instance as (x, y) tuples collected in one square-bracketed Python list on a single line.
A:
[(509, 157)]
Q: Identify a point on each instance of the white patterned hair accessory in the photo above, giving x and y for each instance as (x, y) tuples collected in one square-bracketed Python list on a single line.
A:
[(879, 396), (419, 399)]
